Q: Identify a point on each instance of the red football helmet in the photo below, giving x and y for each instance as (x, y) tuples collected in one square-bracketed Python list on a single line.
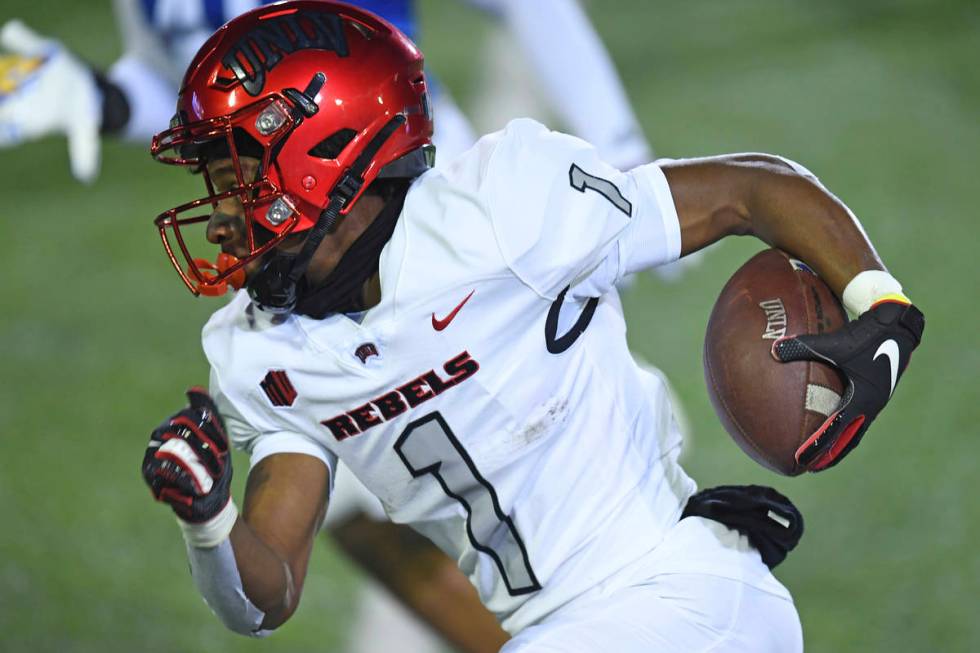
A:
[(327, 96)]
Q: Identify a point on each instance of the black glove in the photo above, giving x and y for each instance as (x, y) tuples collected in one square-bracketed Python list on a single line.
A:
[(871, 352), (769, 520), (187, 464)]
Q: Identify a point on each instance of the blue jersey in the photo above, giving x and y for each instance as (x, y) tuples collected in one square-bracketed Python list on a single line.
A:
[(172, 20)]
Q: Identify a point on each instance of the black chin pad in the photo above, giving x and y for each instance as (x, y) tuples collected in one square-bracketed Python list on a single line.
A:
[(270, 288)]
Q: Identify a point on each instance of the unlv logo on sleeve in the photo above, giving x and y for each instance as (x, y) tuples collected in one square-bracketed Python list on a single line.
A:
[(366, 351), (278, 388)]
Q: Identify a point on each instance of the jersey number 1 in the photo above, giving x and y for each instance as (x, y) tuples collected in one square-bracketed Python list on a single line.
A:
[(428, 446), (580, 180)]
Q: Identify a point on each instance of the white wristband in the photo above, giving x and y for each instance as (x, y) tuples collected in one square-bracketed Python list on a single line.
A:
[(869, 287), (212, 532)]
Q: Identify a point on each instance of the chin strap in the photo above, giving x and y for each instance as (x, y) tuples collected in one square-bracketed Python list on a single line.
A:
[(274, 287), (342, 290)]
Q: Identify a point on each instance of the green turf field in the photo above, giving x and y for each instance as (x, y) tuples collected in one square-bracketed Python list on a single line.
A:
[(98, 338)]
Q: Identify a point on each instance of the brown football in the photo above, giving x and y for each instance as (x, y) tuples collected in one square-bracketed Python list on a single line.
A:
[(770, 408)]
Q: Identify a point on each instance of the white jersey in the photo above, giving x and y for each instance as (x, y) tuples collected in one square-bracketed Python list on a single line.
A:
[(489, 399)]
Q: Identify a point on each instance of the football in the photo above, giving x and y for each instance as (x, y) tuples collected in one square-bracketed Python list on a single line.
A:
[(770, 408)]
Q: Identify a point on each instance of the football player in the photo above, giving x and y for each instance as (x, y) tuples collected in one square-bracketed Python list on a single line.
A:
[(135, 97), (454, 338)]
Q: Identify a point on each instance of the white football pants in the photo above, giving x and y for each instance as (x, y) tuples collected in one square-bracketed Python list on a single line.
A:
[(679, 609)]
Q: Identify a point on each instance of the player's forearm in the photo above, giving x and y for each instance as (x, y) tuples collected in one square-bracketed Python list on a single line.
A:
[(244, 582), (776, 201), (266, 578), (284, 505), (795, 212)]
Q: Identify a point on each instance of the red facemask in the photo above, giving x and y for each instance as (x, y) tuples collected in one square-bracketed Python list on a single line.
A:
[(246, 87)]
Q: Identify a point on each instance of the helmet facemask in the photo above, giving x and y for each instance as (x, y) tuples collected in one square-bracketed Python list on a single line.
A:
[(269, 215), (364, 115)]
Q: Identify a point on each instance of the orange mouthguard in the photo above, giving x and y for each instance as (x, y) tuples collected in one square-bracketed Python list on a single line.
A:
[(211, 270)]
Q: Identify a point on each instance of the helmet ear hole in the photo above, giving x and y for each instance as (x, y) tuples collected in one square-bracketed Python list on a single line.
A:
[(331, 146)]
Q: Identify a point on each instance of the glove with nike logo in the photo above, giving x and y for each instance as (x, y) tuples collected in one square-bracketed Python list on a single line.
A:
[(187, 464), (871, 352)]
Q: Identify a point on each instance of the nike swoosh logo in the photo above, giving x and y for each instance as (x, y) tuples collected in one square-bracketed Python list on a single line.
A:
[(439, 325), (889, 348)]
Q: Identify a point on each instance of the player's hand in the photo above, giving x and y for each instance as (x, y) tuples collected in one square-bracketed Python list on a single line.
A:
[(187, 464), (45, 90), (871, 352)]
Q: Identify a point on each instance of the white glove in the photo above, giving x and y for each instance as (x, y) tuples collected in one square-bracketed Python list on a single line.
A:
[(45, 90)]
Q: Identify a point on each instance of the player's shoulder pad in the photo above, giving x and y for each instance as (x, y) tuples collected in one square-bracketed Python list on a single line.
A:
[(555, 207), (443, 237)]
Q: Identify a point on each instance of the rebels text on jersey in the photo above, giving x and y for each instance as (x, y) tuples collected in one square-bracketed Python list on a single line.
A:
[(489, 399)]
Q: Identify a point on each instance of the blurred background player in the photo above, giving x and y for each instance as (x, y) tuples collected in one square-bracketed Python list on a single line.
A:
[(573, 79), (135, 96)]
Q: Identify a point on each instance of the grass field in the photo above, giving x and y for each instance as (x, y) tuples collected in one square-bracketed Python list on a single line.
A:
[(98, 339)]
